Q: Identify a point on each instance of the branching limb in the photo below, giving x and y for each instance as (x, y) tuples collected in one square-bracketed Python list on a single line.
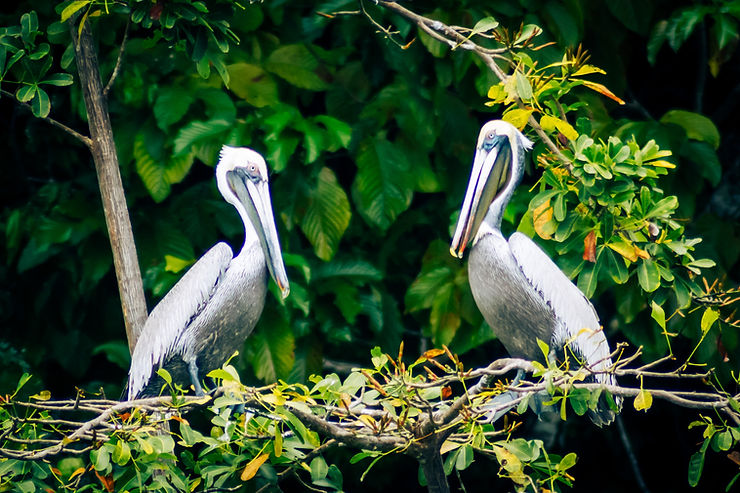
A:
[(61, 126)]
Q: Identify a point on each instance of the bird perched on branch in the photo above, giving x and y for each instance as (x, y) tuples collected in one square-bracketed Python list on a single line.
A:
[(212, 309), (519, 290)]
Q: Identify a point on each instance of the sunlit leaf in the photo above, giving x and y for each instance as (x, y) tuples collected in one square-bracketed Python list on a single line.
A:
[(643, 401), (517, 117), (707, 319), (250, 470)]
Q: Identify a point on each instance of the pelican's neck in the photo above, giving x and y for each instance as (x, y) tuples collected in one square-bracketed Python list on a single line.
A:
[(250, 234), (492, 220)]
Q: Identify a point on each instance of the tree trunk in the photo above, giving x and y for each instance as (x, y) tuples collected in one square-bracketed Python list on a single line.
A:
[(117, 219), (434, 471)]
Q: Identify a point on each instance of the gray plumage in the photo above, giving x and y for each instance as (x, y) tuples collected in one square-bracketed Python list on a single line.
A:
[(214, 307), (519, 290)]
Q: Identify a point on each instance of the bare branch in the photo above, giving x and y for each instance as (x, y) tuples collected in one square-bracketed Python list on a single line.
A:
[(119, 60), (61, 126)]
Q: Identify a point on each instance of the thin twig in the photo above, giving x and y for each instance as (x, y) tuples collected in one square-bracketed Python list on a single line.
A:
[(119, 60), (82, 138)]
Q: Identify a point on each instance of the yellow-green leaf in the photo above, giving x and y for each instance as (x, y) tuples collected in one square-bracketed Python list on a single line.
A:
[(517, 117), (708, 319), (73, 7), (175, 264), (44, 395), (643, 401), (497, 93), (588, 69), (625, 249), (658, 314), (550, 124)]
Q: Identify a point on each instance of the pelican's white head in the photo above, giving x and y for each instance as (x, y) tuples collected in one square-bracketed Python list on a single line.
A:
[(241, 175)]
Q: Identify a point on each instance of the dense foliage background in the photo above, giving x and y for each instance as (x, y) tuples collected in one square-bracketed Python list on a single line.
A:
[(369, 142)]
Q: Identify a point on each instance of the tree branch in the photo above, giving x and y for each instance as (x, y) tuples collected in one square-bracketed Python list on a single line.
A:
[(82, 138), (119, 60)]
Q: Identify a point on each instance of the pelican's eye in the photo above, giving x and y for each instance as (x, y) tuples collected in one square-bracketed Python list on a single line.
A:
[(253, 172), (489, 141)]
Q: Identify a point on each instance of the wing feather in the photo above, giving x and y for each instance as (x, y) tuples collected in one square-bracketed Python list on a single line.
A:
[(160, 336), (578, 321)]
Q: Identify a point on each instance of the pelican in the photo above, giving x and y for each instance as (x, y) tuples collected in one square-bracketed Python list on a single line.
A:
[(212, 309), (519, 290)]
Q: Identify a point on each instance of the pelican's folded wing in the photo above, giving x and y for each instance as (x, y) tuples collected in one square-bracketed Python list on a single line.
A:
[(169, 319)]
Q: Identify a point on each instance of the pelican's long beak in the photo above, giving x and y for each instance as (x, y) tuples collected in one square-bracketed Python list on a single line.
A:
[(255, 197), (491, 169)]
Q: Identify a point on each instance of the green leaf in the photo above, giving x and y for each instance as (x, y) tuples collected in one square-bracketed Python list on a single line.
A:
[(116, 352), (464, 457), (420, 294), (696, 126), (253, 84), (25, 93), (327, 215), (523, 87), (150, 172), (197, 131), (705, 158), (658, 314), (724, 30), (297, 65), (648, 275), (383, 187), (681, 25), (122, 453), (40, 105), (707, 319), (355, 269), (100, 459), (272, 348), (484, 25), (59, 79), (339, 132), (319, 468), (29, 26), (567, 462), (696, 464), (171, 105)]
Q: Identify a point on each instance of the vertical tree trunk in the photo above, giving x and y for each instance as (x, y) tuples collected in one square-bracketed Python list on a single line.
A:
[(104, 154), (434, 471)]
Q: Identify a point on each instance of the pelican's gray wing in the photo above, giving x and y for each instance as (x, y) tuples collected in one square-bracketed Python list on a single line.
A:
[(181, 305), (578, 323)]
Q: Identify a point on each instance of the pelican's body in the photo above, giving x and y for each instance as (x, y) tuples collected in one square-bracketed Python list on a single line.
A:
[(214, 307), (519, 290)]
